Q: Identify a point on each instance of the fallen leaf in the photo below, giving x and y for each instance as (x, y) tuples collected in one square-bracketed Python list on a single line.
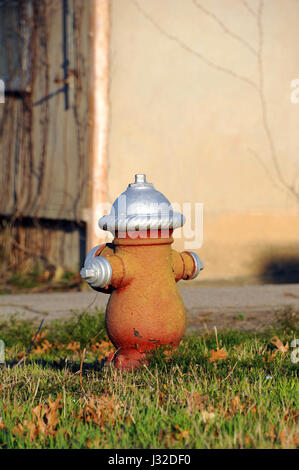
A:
[(195, 401), (45, 418), (102, 348), (272, 433), (288, 439), (33, 430), (207, 415), (99, 410), (39, 337), (21, 354), (276, 341), (93, 444), (42, 348), (18, 430), (235, 404), (270, 357), (218, 355), (73, 346), (183, 435), (291, 415)]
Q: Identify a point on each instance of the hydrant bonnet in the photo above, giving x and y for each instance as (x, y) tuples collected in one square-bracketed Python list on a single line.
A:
[(141, 207)]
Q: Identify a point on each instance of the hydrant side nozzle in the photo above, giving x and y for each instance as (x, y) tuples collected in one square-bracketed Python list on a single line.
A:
[(196, 262), (199, 265), (97, 273), (97, 270)]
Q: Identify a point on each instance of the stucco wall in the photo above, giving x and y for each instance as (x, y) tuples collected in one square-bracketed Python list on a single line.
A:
[(200, 102)]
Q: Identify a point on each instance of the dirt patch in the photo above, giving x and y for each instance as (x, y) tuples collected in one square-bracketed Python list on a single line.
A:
[(247, 320)]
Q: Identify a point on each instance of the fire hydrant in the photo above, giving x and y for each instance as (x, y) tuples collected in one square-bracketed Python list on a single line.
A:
[(140, 270)]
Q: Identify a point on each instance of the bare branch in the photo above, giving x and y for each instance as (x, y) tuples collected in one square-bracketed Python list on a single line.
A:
[(259, 87), (266, 170), (187, 48), (249, 8), (264, 109), (224, 28)]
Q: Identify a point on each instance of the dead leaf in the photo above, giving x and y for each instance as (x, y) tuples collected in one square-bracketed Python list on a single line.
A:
[(93, 444), (235, 404), (18, 430), (271, 433), (195, 401), (218, 355), (184, 434), (288, 438), (42, 348), (207, 415), (276, 341), (99, 410), (291, 415), (39, 337), (73, 346), (102, 348), (270, 357), (33, 430), (45, 418)]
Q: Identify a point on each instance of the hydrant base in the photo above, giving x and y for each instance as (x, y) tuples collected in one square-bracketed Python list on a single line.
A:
[(127, 359)]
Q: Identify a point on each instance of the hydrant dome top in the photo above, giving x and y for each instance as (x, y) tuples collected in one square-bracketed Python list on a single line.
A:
[(141, 207)]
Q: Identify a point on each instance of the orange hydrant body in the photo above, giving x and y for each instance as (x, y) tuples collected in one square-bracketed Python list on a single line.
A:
[(145, 309)]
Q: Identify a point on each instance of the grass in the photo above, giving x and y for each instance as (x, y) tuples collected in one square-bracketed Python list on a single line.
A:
[(245, 397), (40, 280)]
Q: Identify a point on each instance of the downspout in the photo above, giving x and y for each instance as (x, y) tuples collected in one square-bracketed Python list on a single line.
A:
[(99, 113)]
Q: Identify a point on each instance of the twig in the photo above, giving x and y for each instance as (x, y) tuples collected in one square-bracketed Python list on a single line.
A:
[(27, 251), (215, 329), (64, 381), (31, 345), (224, 28), (264, 108), (189, 49), (91, 303), (249, 8), (81, 367), (145, 366), (35, 336), (32, 401), (64, 401), (230, 372)]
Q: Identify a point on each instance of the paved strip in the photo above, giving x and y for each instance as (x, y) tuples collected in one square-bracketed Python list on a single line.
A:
[(226, 301)]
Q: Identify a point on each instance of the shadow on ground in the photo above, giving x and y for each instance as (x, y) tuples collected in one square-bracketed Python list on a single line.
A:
[(281, 270)]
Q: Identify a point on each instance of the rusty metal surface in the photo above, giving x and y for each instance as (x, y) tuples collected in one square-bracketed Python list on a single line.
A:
[(44, 133)]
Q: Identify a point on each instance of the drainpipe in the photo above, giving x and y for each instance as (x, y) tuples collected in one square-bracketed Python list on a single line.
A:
[(99, 114)]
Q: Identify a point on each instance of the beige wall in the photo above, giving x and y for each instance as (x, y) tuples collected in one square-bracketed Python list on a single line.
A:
[(187, 109)]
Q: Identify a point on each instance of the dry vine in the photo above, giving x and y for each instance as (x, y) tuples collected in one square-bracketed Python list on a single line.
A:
[(280, 182)]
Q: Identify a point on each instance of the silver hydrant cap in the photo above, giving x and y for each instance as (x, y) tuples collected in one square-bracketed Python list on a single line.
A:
[(141, 207)]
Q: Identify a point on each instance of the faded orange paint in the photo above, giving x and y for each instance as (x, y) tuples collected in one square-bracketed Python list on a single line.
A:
[(145, 309)]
